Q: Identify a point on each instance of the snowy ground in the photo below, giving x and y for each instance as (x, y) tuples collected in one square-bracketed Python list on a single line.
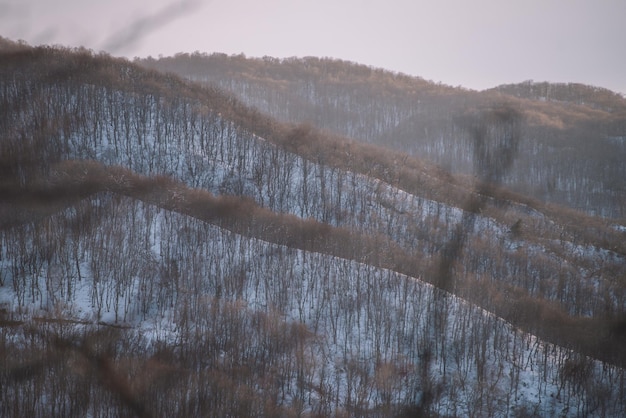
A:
[(373, 330)]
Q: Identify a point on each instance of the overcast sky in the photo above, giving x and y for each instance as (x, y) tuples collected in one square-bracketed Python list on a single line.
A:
[(474, 43)]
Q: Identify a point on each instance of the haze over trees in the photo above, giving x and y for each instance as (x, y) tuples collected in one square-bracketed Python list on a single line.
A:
[(167, 250), (573, 142)]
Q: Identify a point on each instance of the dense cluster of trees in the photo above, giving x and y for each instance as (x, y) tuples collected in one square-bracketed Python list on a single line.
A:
[(82, 130)]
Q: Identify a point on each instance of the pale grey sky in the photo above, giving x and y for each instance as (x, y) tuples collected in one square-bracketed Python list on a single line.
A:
[(477, 44)]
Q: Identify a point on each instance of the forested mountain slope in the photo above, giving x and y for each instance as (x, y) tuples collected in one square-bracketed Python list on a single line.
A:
[(573, 143), (147, 224), (235, 325)]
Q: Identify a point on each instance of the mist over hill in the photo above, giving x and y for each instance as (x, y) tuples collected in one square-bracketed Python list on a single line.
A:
[(168, 250), (573, 143)]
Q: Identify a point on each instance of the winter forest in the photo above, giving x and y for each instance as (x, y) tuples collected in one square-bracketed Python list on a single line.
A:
[(212, 235)]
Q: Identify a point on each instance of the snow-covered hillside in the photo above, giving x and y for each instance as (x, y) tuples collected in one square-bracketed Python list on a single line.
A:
[(202, 149), (325, 333), (191, 317)]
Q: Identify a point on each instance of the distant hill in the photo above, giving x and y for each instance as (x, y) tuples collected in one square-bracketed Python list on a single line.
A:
[(572, 93), (572, 148)]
